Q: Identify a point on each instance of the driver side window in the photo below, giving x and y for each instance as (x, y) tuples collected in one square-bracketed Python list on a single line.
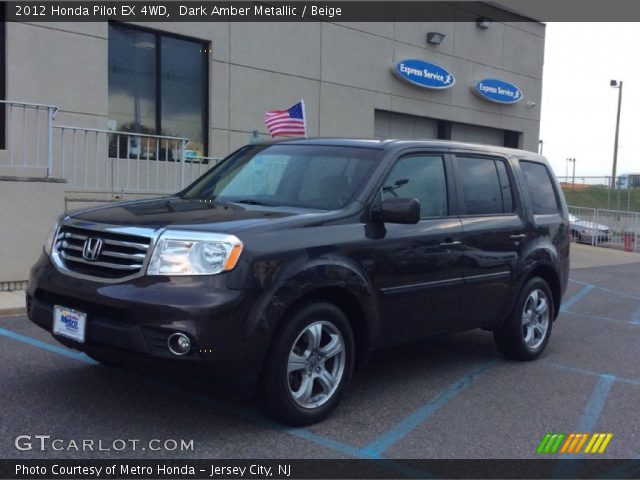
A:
[(422, 177)]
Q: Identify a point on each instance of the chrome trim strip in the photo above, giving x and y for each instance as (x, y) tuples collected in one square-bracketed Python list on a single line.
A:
[(474, 278), (421, 286), (440, 283), (124, 256), (114, 266), (122, 243)]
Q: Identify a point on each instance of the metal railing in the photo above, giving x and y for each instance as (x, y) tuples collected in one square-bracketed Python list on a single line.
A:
[(102, 160), (94, 159), (622, 227), (27, 129)]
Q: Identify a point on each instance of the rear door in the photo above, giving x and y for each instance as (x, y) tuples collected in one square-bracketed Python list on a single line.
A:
[(494, 231), (417, 269)]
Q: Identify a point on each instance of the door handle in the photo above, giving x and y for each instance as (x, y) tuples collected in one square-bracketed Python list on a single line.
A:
[(519, 237), (450, 243)]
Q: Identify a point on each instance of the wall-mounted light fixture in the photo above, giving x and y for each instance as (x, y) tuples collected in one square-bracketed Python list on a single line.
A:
[(435, 38), (483, 23)]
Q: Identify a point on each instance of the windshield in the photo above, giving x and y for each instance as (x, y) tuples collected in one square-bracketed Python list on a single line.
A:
[(307, 176)]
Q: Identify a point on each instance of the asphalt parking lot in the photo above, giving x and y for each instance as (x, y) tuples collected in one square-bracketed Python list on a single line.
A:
[(449, 397)]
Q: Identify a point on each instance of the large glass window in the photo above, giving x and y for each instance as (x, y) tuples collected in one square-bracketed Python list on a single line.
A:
[(541, 192), (420, 177), (158, 84), (485, 186)]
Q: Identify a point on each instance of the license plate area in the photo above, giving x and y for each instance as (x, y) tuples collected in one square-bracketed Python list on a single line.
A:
[(69, 323)]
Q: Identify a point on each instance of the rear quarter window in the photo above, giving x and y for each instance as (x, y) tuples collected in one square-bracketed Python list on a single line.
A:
[(539, 185)]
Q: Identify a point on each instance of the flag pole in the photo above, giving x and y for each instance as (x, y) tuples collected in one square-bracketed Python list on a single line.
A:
[(304, 117)]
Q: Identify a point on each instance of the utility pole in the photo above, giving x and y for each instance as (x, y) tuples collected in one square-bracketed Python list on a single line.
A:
[(573, 178), (616, 84)]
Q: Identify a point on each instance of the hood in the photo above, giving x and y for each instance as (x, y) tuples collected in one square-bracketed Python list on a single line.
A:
[(183, 213)]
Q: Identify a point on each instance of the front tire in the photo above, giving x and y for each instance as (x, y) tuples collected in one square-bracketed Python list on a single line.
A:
[(310, 364), (526, 332)]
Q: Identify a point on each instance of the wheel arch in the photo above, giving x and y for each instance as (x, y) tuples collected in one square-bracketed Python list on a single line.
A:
[(349, 303)]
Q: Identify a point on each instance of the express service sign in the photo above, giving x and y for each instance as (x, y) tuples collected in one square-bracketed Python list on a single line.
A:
[(498, 91), (424, 74)]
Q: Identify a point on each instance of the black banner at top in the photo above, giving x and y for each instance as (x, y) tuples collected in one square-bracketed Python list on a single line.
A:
[(244, 11), (327, 11)]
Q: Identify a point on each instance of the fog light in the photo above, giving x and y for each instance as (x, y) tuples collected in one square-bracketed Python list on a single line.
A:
[(179, 344)]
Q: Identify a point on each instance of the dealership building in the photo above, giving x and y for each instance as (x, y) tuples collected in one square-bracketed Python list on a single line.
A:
[(73, 93)]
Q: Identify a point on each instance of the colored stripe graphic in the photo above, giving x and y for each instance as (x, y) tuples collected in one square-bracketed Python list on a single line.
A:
[(573, 442), (598, 443), (551, 442)]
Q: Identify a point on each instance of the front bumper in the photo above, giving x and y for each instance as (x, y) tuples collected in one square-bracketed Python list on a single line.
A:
[(134, 319)]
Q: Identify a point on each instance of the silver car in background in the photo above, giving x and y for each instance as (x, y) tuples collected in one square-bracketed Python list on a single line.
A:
[(584, 231)]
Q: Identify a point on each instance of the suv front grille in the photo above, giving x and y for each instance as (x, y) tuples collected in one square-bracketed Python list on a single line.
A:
[(121, 255)]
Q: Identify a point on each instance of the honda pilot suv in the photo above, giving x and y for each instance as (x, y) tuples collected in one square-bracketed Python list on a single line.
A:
[(284, 266)]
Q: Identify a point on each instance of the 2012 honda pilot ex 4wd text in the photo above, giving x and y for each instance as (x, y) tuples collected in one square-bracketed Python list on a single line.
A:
[(286, 264)]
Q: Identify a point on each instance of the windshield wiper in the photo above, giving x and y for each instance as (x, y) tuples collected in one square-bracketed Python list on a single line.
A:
[(249, 201)]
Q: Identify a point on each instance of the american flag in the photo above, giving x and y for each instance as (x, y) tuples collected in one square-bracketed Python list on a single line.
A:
[(287, 122)]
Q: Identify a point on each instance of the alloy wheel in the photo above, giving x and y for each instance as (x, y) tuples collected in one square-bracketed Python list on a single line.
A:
[(316, 364)]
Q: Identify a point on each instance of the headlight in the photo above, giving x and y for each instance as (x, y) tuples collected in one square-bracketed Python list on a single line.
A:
[(48, 243), (194, 253)]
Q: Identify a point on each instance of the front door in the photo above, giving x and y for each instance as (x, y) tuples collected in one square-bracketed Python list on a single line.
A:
[(416, 269)]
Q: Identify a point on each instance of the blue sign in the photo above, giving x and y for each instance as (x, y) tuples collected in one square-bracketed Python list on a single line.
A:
[(498, 91), (424, 74)]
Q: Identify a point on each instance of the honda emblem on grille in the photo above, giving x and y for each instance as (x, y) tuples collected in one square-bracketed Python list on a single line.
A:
[(92, 248)]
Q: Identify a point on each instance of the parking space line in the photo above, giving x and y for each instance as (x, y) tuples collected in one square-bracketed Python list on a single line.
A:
[(415, 419), (599, 317), (588, 422), (595, 404), (67, 352), (567, 304), (604, 289), (591, 373)]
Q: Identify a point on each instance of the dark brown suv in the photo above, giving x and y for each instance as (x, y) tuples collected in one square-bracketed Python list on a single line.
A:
[(285, 265)]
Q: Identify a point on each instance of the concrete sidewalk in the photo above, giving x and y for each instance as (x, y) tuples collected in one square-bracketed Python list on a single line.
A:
[(12, 303)]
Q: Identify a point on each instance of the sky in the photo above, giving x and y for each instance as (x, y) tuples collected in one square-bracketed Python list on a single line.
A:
[(578, 115)]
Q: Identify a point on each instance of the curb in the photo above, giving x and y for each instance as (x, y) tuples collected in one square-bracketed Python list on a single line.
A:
[(12, 303), (9, 311)]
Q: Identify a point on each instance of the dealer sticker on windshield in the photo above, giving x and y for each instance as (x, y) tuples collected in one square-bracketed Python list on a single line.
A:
[(69, 323)]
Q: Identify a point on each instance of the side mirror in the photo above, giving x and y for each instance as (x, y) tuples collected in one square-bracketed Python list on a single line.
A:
[(400, 210)]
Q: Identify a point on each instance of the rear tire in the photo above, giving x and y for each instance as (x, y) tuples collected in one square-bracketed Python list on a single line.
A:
[(526, 332), (310, 364)]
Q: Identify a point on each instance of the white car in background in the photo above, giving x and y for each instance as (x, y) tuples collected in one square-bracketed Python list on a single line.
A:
[(584, 231)]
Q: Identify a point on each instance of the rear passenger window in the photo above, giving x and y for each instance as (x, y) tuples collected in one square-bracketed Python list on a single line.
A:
[(420, 177), (486, 189), (538, 181)]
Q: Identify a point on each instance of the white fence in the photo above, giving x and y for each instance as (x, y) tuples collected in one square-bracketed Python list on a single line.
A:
[(97, 160), (27, 132), (614, 228), (111, 161)]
